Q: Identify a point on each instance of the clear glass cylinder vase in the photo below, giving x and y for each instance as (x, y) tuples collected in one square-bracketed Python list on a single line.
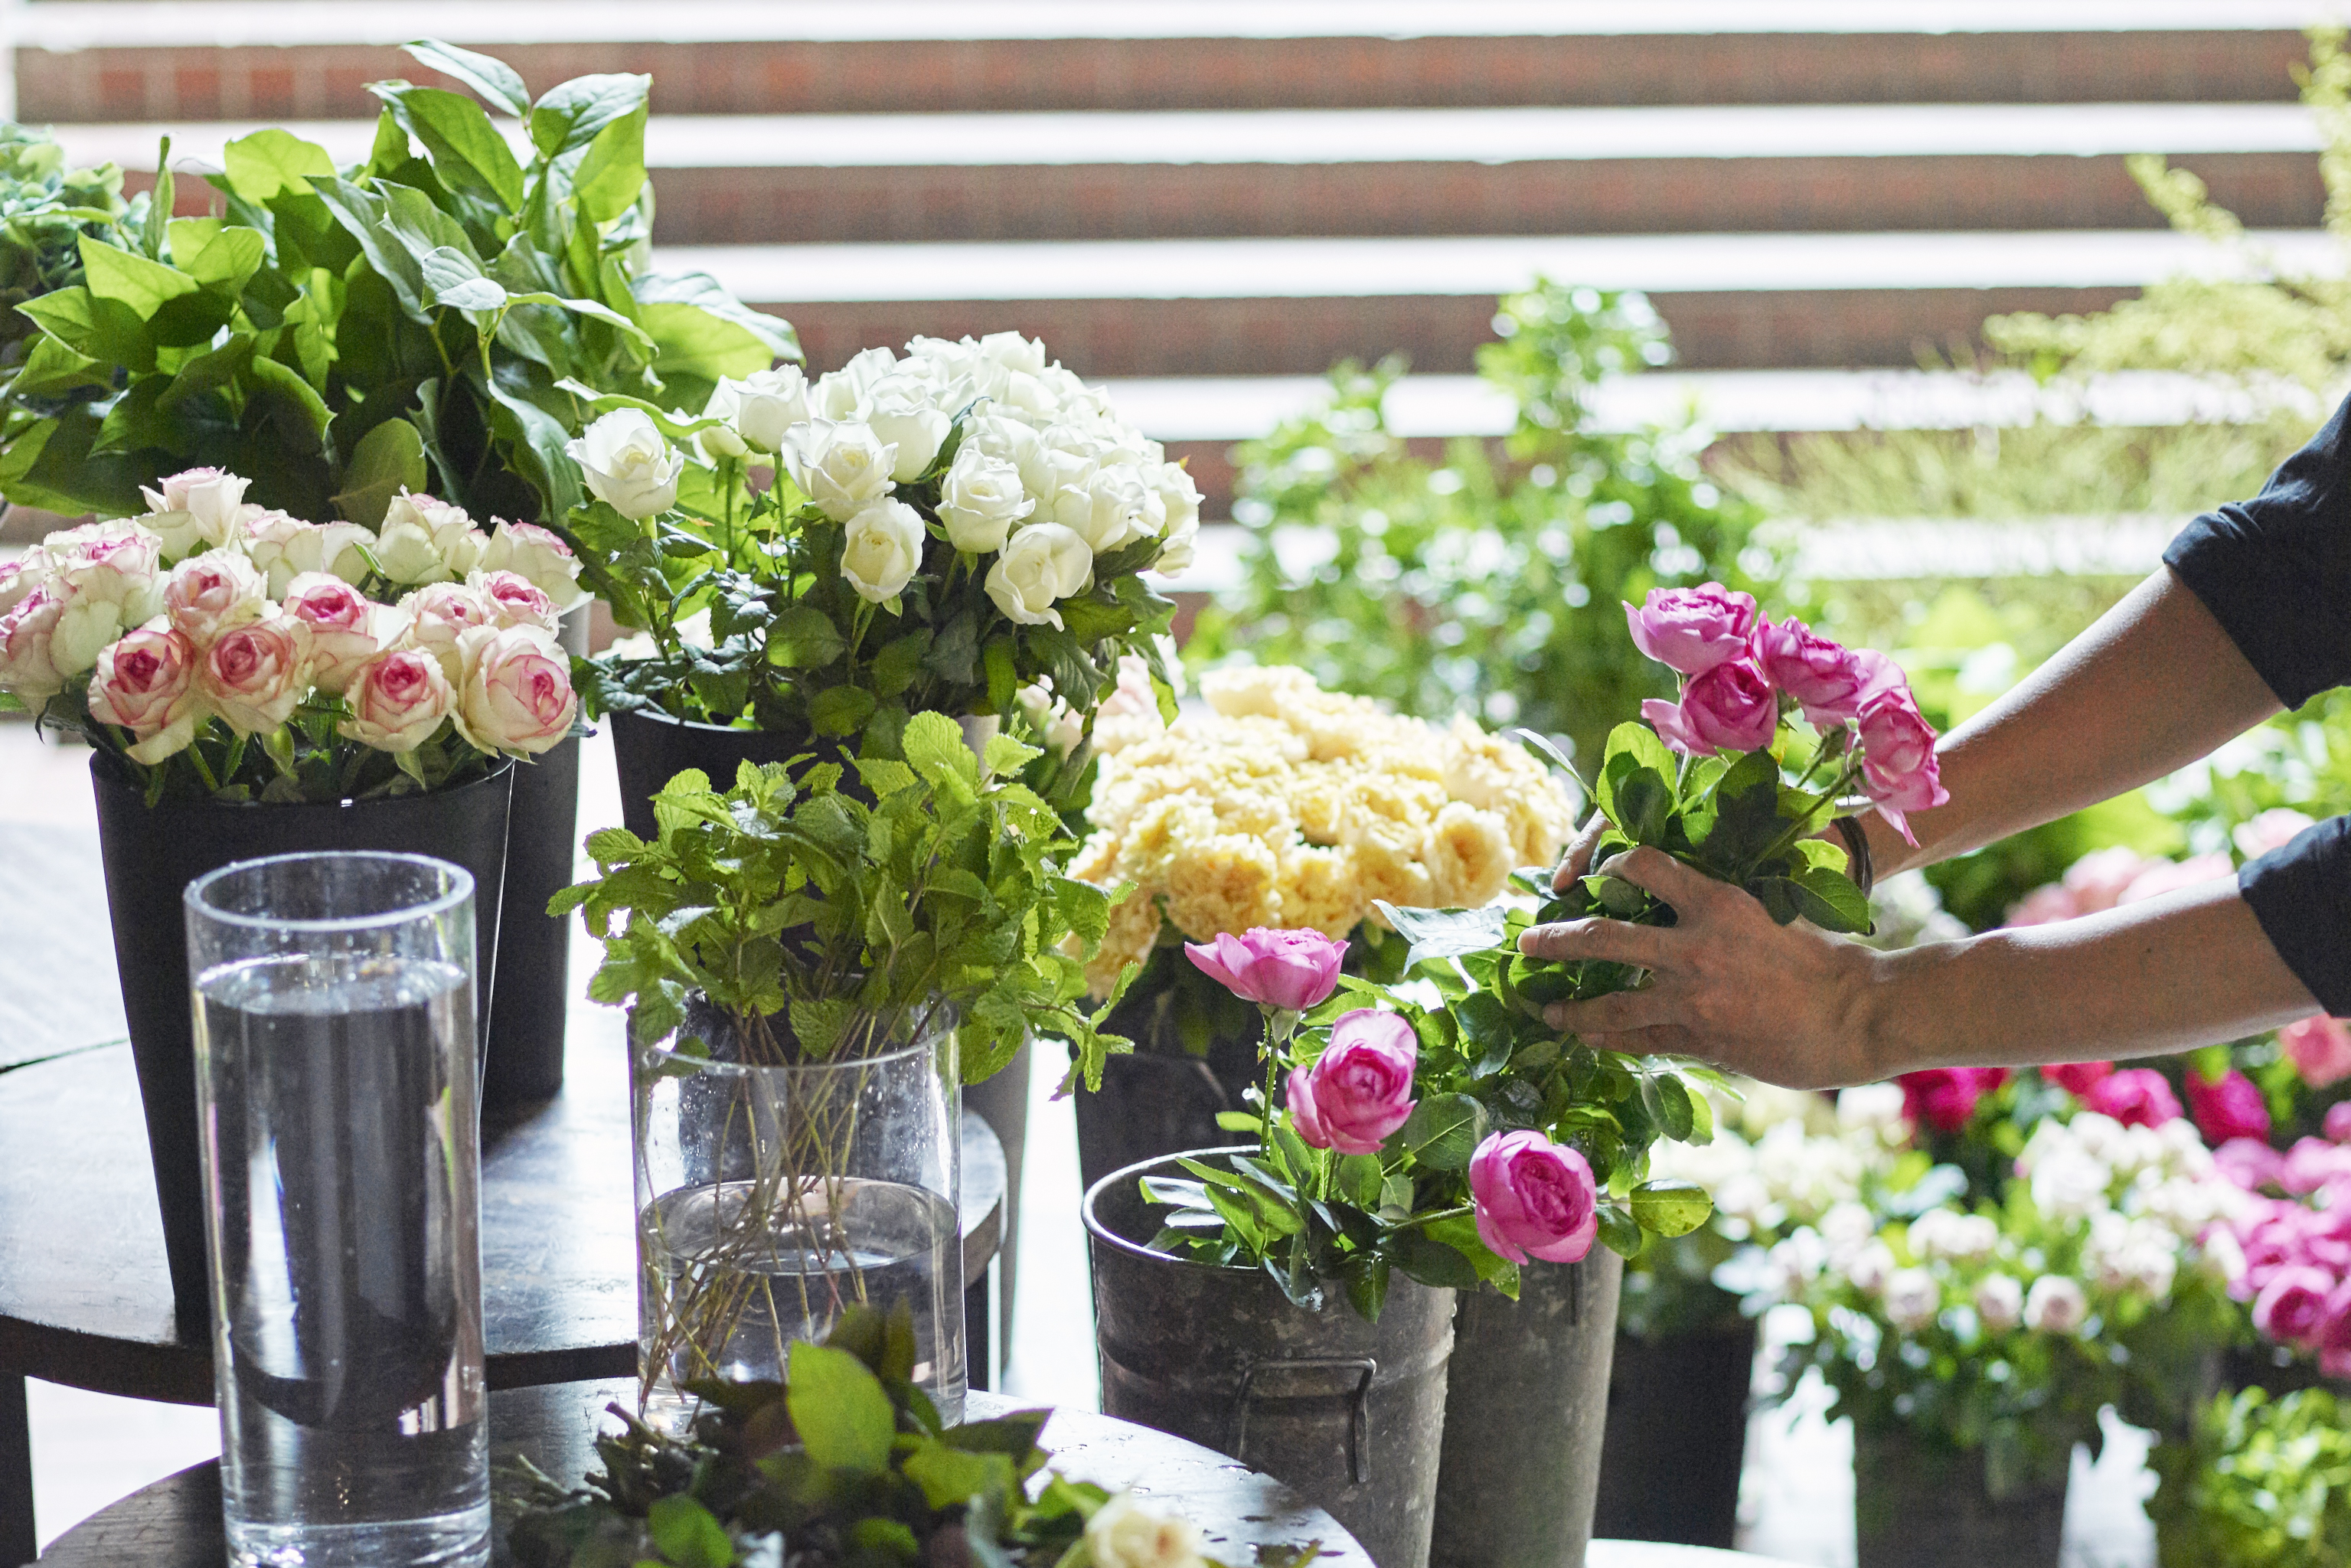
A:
[(335, 1074), (772, 1197)]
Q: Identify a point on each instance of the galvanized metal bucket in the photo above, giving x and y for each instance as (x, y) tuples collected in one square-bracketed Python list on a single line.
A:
[(1348, 1412), (1529, 1406)]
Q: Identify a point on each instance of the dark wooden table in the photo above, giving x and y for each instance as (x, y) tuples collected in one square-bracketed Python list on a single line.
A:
[(85, 1299), (177, 1523)]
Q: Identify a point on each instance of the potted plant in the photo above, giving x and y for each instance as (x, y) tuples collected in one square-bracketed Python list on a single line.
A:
[(812, 970), (927, 533), (1280, 805), (251, 685), (339, 335), (2263, 1481)]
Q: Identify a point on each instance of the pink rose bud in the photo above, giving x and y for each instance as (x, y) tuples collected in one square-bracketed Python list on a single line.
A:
[(539, 555), (1899, 769), (1731, 707), (2292, 1308), (1692, 629), (1533, 1199), (207, 594), (2320, 1048), (1944, 1098), (146, 684), (1360, 1090), (516, 695), (253, 676), (2337, 1124), (2078, 1077), (342, 623), (1828, 679), (397, 700), (514, 600), (2135, 1096), (1292, 970), (440, 614), (2230, 1108)]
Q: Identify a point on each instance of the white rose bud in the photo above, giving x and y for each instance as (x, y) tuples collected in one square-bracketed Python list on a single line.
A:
[(882, 547), (253, 675), (626, 464), (1015, 352), (1181, 497), (541, 555), (1912, 1297), (1999, 1302), (207, 594), (424, 539), (981, 500), (397, 700), (1124, 1533), (1114, 507), (516, 695), (768, 404), (146, 684), (1041, 563), (2055, 1304), (842, 467), (915, 427), (196, 510), (440, 613), (343, 627)]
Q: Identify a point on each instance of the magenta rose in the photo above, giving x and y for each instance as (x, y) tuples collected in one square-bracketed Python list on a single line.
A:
[(1292, 970), (2320, 1048), (1360, 1090), (2332, 1339), (2292, 1307), (1692, 629), (2337, 1124), (1828, 679), (1944, 1098), (1899, 769), (2135, 1096), (1533, 1199), (1731, 707), (2230, 1108), (2078, 1077)]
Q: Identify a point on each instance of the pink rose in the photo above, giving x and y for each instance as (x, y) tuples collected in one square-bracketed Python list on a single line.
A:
[(1945, 1098), (252, 676), (2272, 830), (1292, 970), (2309, 1166), (2337, 1124), (29, 666), (397, 700), (516, 693), (2099, 879), (1533, 1199), (2135, 1096), (207, 594), (1899, 769), (2078, 1077), (539, 555), (2320, 1048), (1731, 707), (1692, 629), (2166, 876), (1360, 1090), (2248, 1162), (2230, 1108), (514, 600), (440, 614), (2333, 1338), (342, 626), (146, 684), (1829, 679), (2292, 1306)]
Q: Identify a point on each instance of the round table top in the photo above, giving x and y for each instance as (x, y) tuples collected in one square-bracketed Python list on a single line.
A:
[(177, 1523), (85, 1299)]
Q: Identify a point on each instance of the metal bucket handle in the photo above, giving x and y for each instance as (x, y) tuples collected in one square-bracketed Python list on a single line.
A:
[(1359, 1414)]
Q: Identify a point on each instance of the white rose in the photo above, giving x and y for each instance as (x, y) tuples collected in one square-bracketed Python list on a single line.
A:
[(207, 594), (1912, 1299), (1013, 352), (844, 467), (1948, 1234), (906, 418), (981, 500), (515, 693), (1060, 728), (1124, 1533), (541, 556), (196, 510), (426, 539), (757, 410), (1848, 1227), (2055, 1304), (882, 547), (1793, 1263), (1999, 1302), (1112, 508), (1877, 1107), (1005, 439), (626, 463), (2069, 1183), (1041, 563), (1181, 497)]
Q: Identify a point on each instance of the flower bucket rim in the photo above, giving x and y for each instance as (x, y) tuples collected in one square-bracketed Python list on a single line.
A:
[(104, 775), (1135, 1172)]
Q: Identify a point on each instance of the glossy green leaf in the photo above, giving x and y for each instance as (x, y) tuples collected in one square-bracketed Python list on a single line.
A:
[(611, 175), (466, 150), (571, 114), (270, 163), (494, 80), (1670, 1207), (839, 1409), (388, 459), (1443, 1131), (111, 273), (804, 638), (688, 1534)]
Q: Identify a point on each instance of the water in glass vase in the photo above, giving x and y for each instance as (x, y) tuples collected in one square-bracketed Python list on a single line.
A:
[(347, 1291), (736, 1270)]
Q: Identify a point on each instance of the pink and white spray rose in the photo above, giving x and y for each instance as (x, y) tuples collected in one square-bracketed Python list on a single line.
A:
[(514, 695), (146, 684), (540, 556), (207, 594), (342, 626), (1360, 1090), (251, 675), (397, 700), (438, 615), (1533, 1199)]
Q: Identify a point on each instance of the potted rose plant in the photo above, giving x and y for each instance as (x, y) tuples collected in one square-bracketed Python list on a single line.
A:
[(251, 683)]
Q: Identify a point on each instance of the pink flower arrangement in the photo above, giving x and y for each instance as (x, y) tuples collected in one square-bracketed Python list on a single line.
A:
[(1533, 1199), (2135, 1096), (2227, 1107), (1289, 971), (1945, 1098), (1360, 1090), (2297, 1248)]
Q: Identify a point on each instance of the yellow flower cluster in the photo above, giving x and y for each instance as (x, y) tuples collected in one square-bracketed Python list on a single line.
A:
[(1288, 806)]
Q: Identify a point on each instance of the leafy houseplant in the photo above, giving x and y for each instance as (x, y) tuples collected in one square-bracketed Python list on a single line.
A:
[(2262, 1482), (406, 322), (931, 533)]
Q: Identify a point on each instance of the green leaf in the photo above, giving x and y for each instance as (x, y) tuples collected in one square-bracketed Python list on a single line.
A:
[(466, 150), (705, 332), (611, 175), (803, 638), (1359, 1179), (51, 368), (840, 1408), (571, 115), (1670, 1207), (1460, 1233), (226, 262), (1668, 1104), (1443, 1131), (451, 279), (1619, 1231), (493, 79), (934, 745), (949, 1477), (688, 1534), (388, 459), (1829, 899), (291, 389), (111, 273), (268, 163), (841, 710), (1431, 1262)]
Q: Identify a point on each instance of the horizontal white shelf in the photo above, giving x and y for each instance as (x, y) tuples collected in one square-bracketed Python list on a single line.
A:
[(1314, 268), (183, 24), (1306, 137)]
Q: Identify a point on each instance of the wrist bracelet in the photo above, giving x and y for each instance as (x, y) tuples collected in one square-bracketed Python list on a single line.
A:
[(1856, 851)]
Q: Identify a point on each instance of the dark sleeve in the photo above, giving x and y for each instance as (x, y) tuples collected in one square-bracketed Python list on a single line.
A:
[(2301, 896), (2275, 571)]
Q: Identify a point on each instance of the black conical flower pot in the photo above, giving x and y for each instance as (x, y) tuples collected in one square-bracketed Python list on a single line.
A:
[(152, 854), (651, 748)]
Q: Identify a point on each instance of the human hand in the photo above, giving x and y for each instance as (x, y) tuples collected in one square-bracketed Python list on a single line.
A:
[(1784, 1003), (1578, 859)]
